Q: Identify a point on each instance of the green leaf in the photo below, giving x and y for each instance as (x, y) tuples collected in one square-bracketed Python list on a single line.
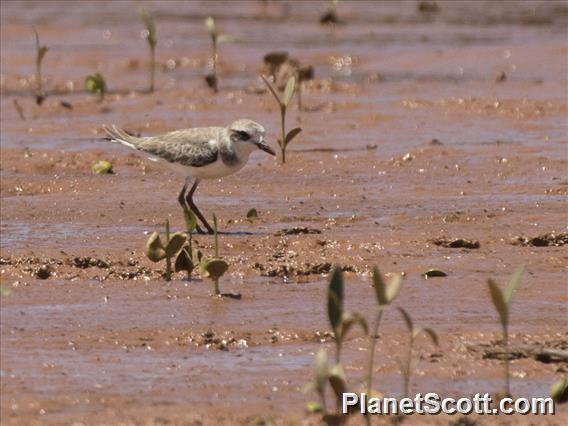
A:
[(321, 371), (272, 89), (227, 38), (292, 134), (559, 390), (434, 273), (184, 262), (380, 287), (313, 407), (175, 244), (289, 91), (102, 167), (407, 319), (214, 268), (252, 213), (336, 379), (385, 294), (95, 83), (211, 27), (4, 292), (350, 319), (148, 21), (432, 334), (41, 50), (190, 220), (154, 248), (335, 299), (512, 285), (499, 302), (41, 53), (393, 288)]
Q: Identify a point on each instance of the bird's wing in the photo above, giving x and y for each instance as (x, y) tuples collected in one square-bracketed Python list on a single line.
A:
[(190, 147)]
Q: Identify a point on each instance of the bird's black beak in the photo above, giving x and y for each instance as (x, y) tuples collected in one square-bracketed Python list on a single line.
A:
[(265, 147)]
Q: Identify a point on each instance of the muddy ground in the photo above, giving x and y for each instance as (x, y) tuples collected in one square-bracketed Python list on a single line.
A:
[(420, 129)]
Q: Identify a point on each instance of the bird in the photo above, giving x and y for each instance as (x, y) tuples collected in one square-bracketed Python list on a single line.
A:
[(200, 152)]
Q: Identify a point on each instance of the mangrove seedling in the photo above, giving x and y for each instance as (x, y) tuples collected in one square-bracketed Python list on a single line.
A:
[(385, 294), (321, 370), (273, 61), (283, 101), (157, 251), (406, 365), (102, 167), (187, 259), (40, 53), (150, 35), (502, 301), (559, 391), (96, 84), (341, 322), (336, 379), (330, 17), (19, 109), (216, 39), (252, 214), (214, 268), (304, 73)]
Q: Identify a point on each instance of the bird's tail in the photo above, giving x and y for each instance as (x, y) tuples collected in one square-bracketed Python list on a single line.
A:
[(118, 135)]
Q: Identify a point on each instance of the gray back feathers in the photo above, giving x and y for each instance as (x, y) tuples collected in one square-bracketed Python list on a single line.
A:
[(190, 147)]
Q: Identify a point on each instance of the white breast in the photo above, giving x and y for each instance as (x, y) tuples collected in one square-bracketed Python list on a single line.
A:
[(215, 170)]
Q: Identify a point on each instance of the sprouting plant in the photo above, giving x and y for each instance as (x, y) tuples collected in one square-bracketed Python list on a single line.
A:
[(150, 35), (212, 78), (19, 109), (283, 102), (252, 214), (96, 84), (214, 268), (324, 375), (4, 292), (330, 17), (304, 73), (40, 53), (187, 258), (320, 380), (406, 365), (385, 294), (273, 61), (502, 301), (157, 251), (559, 390), (102, 167), (341, 322)]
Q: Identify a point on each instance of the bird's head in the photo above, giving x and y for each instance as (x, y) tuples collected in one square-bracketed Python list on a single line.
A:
[(250, 133)]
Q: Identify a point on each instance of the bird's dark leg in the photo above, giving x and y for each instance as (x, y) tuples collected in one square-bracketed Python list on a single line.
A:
[(194, 209), (181, 196), (181, 200)]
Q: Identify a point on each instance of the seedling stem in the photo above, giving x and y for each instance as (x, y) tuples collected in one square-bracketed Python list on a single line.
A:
[(217, 290), (168, 259)]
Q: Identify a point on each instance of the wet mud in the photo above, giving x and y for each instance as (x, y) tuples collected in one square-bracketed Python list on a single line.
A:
[(432, 139)]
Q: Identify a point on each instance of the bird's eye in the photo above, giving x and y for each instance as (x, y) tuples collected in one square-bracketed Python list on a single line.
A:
[(243, 136)]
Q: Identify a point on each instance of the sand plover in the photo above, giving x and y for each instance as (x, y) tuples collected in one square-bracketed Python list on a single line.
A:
[(202, 153)]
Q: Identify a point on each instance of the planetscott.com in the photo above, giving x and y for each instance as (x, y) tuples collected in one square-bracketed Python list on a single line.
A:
[(432, 403)]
